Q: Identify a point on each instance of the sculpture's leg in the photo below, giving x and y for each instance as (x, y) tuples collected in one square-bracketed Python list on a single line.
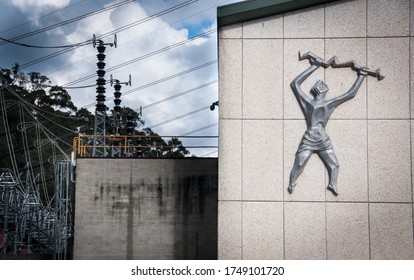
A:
[(331, 163), (300, 161)]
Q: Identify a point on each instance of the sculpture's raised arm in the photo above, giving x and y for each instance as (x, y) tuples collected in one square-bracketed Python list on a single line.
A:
[(333, 103), (297, 82)]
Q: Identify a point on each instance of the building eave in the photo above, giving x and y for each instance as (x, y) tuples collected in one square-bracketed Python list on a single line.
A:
[(255, 9)]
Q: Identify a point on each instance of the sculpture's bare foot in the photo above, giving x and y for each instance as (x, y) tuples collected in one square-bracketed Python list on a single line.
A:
[(333, 189), (291, 188)]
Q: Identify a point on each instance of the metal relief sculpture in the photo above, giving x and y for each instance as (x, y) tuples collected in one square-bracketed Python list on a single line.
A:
[(317, 112)]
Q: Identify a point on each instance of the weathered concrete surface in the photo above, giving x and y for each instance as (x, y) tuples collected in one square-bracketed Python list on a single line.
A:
[(146, 209)]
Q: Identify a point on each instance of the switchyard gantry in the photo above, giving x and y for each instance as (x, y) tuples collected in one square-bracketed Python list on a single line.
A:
[(29, 223), (29, 226)]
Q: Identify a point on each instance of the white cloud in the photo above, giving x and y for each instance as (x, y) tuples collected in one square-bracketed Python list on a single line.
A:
[(134, 43), (35, 7)]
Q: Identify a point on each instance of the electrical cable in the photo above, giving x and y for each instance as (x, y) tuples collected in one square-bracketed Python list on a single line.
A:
[(148, 55), (55, 123), (182, 107), (41, 166), (43, 16), (158, 81), (40, 109), (9, 140), (156, 30), (84, 43), (43, 128), (178, 94), (62, 23), (199, 129), (125, 27), (209, 153), (25, 142), (47, 133), (178, 117), (117, 30)]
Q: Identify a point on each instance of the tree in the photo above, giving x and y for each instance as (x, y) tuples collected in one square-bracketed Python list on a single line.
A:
[(35, 117), (32, 102)]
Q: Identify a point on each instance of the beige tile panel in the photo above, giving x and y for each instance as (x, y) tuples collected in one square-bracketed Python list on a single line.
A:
[(262, 160), (311, 184), (305, 23), (292, 67), (412, 70), (346, 19), (229, 230), (391, 231), (349, 139), (234, 31), (263, 230), (412, 159), (305, 236), (269, 27), (389, 161), (388, 18), (230, 78), (340, 80), (411, 17), (262, 79), (347, 231), (390, 97), (230, 158)]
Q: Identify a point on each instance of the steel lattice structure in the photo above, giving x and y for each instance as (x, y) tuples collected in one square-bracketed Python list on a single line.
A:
[(30, 227)]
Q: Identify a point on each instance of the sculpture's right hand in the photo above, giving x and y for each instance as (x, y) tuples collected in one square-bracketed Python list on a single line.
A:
[(317, 61), (362, 71)]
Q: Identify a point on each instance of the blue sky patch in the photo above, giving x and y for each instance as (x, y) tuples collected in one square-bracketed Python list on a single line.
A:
[(197, 28)]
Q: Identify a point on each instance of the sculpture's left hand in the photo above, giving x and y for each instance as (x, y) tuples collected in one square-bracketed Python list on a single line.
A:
[(362, 71)]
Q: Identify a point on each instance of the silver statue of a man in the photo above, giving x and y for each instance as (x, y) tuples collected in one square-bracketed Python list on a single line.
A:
[(317, 112)]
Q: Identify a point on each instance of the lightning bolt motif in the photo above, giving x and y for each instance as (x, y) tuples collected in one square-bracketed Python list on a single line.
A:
[(334, 63)]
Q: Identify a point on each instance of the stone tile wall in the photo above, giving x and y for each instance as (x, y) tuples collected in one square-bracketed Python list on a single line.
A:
[(261, 125)]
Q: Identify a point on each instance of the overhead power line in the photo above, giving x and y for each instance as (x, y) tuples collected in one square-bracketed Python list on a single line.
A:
[(117, 30), (148, 55), (171, 24), (178, 94), (65, 22), (199, 129), (43, 16), (158, 81), (178, 117), (46, 47)]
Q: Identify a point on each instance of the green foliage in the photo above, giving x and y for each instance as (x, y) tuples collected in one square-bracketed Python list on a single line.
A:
[(31, 98)]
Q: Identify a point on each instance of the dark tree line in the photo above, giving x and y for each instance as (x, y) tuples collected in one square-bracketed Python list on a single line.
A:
[(31, 97)]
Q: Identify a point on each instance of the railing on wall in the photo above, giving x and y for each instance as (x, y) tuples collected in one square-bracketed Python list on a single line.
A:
[(138, 145)]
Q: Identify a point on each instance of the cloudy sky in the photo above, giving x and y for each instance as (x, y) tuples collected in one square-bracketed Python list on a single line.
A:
[(174, 79)]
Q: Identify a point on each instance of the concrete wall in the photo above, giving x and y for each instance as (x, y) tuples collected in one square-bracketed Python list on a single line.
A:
[(261, 125), (146, 209)]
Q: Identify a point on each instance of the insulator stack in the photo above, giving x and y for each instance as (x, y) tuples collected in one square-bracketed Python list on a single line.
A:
[(130, 125), (100, 82), (117, 95)]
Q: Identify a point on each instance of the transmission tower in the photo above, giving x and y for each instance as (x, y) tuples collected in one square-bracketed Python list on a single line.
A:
[(99, 141)]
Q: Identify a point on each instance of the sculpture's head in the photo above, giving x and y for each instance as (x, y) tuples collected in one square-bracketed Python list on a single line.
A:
[(319, 89)]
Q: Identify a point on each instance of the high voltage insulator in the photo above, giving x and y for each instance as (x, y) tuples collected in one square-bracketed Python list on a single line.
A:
[(130, 125), (101, 82), (100, 111), (117, 93), (117, 100)]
